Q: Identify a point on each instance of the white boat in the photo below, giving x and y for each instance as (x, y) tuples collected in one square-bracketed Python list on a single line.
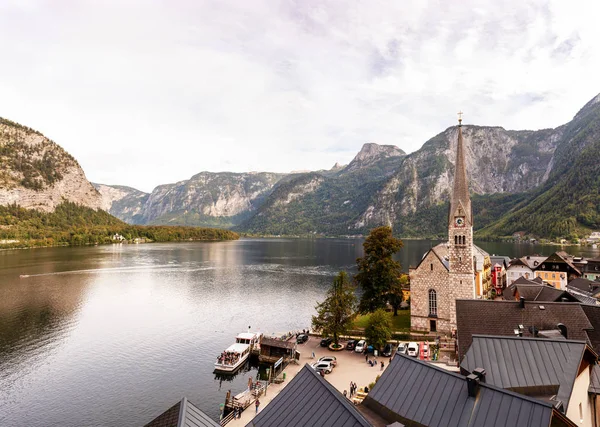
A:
[(236, 354)]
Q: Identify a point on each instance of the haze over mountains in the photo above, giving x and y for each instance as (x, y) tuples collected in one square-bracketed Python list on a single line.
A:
[(543, 182)]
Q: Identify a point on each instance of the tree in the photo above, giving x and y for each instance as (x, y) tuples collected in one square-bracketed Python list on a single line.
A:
[(379, 328), (378, 274), (336, 314), (395, 295)]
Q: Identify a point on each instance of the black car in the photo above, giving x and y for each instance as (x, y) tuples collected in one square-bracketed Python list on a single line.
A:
[(301, 338), (387, 350), (326, 341), (350, 344)]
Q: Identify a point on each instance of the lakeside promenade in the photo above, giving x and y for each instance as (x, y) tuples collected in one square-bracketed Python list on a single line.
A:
[(351, 366)]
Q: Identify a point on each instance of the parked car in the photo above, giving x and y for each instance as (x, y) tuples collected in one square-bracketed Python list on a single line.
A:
[(425, 348), (360, 346), (350, 344), (401, 348), (413, 349), (326, 341), (387, 350), (322, 366), (301, 338), (330, 359)]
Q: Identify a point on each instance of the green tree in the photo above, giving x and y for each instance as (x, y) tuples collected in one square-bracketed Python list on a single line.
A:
[(379, 328), (336, 314), (378, 274)]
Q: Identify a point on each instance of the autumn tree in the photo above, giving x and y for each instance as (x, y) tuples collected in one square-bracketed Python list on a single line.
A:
[(336, 314), (378, 274)]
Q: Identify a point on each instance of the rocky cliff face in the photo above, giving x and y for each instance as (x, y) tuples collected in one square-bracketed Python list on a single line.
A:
[(498, 161), (125, 203), (38, 173), (216, 199), (372, 153)]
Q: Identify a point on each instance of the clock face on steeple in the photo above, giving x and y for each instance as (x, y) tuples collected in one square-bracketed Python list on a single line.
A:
[(459, 221)]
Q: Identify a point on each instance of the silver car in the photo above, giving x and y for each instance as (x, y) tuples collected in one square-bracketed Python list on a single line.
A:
[(322, 366)]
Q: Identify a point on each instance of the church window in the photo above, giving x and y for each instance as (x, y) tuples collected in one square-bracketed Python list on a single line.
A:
[(431, 266), (432, 303), (456, 240)]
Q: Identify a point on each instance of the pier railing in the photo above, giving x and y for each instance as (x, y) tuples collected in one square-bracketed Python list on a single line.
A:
[(242, 401)]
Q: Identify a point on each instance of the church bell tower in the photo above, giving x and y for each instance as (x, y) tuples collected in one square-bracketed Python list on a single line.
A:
[(460, 231)]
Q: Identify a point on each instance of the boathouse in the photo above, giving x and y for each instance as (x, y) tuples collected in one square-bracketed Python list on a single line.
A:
[(272, 349)]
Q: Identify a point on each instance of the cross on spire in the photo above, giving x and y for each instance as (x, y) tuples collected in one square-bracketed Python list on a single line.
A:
[(460, 113)]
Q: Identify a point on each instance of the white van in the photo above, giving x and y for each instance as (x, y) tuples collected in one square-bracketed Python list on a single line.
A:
[(413, 349)]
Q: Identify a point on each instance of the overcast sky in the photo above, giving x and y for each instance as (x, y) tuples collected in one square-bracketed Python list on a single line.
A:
[(151, 92)]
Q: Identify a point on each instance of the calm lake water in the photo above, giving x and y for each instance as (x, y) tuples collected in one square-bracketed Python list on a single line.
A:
[(115, 335)]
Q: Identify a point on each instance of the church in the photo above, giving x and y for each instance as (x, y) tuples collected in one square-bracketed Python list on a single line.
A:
[(456, 269)]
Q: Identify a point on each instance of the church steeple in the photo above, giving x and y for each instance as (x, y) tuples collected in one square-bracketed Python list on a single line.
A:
[(460, 192)]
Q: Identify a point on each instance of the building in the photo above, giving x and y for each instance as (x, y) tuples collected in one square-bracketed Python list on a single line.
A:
[(182, 414), (555, 371), (569, 320), (272, 349), (536, 290), (309, 400), (415, 393), (585, 290), (499, 266), (591, 270), (557, 270), (453, 270), (523, 267)]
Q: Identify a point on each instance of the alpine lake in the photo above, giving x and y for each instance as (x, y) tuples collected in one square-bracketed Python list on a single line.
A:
[(115, 335)]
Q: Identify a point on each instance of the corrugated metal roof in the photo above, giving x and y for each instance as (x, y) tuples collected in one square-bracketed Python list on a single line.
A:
[(533, 366), (486, 317), (309, 400), (594, 387), (182, 414), (411, 391)]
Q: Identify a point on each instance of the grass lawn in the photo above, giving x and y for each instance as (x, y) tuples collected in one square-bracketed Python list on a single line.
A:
[(399, 323)]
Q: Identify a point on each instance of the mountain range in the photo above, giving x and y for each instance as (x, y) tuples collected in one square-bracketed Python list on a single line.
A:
[(544, 183)]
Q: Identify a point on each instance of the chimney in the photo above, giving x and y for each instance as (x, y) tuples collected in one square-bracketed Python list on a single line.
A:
[(522, 302), (563, 330), (472, 385), (480, 374)]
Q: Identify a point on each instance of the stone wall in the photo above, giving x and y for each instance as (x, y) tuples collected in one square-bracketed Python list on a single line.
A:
[(430, 274)]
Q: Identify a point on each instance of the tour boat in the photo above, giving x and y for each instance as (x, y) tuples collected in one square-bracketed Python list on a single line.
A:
[(236, 354)]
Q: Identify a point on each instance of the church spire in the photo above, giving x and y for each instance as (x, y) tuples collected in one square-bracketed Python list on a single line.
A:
[(460, 191)]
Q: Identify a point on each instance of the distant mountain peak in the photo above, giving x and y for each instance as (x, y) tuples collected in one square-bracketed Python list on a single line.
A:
[(337, 167), (371, 153)]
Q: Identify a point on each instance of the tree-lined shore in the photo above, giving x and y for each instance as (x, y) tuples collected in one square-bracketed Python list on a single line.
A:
[(74, 225)]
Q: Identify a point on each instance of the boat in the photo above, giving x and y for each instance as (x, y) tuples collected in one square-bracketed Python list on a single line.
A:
[(236, 354)]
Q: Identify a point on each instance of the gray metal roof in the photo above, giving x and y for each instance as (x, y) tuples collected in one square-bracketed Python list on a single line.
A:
[(309, 400), (417, 393), (594, 387), (183, 414), (532, 366)]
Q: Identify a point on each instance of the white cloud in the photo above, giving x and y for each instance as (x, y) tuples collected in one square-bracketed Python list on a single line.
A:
[(145, 93)]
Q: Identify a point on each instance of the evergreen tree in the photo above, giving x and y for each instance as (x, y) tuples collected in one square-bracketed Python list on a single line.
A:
[(336, 314), (378, 274)]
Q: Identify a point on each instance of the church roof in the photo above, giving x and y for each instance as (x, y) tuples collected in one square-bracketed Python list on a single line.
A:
[(460, 192), (183, 414)]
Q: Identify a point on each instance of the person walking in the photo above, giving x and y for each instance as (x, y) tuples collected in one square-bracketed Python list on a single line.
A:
[(257, 404), (367, 358), (345, 393), (382, 365)]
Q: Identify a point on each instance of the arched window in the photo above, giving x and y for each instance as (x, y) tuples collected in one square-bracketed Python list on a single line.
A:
[(456, 240), (432, 303)]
